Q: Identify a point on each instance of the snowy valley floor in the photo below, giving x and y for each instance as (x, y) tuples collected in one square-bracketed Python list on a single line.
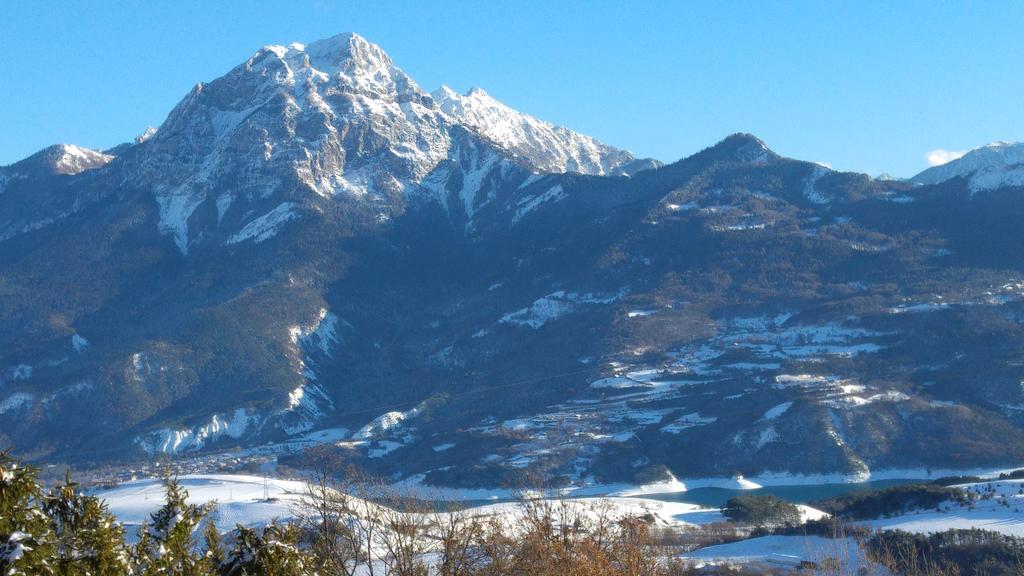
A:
[(255, 500)]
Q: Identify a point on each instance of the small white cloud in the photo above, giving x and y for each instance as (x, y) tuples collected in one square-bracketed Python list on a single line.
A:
[(825, 164), (940, 157)]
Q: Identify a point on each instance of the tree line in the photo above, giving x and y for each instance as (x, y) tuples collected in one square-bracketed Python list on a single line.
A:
[(360, 526)]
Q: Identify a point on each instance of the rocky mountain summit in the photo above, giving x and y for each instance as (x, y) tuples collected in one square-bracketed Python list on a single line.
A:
[(337, 117), (313, 249)]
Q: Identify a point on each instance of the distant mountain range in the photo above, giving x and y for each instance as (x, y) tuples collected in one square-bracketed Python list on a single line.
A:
[(998, 165), (449, 290)]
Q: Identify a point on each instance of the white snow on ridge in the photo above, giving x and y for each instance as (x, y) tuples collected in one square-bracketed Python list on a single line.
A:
[(384, 424), (168, 440), (16, 401), (73, 159), (687, 421), (996, 165), (553, 148), (304, 408), (681, 207), (146, 134), (294, 105), (777, 411), (922, 307), (266, 226), (614, 382), (837, 392), (321, 336), (543, 310), (552, 307)]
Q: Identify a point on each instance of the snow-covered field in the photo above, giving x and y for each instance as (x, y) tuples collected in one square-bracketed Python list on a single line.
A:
[(254, 501), (999, 507), (785, 551), (247, 500)]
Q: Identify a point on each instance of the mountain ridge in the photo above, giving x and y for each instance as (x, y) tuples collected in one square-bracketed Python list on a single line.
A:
[(988, 167), (310, 247)]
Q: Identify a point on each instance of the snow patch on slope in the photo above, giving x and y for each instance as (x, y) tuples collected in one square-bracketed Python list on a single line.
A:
[(176, 207), (692, 420), (73, 390), (809, 191), (16, 401), (305, 408), (552, 307), (777, 411), (526, 205), (307, 402), (169, 440), (79, 343), (321, 336), (21, 372), (266, 226), (386, 423)]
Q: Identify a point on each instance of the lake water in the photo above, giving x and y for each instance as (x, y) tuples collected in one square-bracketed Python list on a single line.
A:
[(717, 497), (800, 494)]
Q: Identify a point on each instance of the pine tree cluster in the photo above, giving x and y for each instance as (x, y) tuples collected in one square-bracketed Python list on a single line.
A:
[(65, 532)]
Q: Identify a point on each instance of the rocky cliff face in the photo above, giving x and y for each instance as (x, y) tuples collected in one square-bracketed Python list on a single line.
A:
[(337, 120)]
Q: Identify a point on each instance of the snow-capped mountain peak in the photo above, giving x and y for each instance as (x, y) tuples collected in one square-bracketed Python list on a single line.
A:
[(996, 165), (146, 135), (549, 147), (64, 159), (349, 62), (337, 117), (71, 159)]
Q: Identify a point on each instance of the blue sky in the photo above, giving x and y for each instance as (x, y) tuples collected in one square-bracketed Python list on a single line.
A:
[(863, 86)]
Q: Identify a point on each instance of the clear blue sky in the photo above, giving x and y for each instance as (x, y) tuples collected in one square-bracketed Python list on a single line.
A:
[(866, 86)]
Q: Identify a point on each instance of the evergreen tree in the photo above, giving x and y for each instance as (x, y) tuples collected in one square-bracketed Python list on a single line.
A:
[(212, 542), (88, 539), (274, 552), (26, 540), (167, 546)]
